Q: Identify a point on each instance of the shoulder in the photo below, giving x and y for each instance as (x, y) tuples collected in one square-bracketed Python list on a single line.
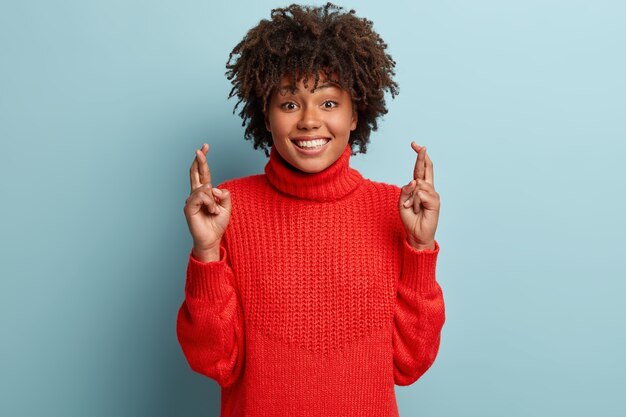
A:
[(251, 189), (243, 184), (381, 196), (382, 189), (382, 200)]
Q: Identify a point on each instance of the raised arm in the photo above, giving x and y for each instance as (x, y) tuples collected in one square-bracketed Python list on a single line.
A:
[(419, 311), (210, 325)]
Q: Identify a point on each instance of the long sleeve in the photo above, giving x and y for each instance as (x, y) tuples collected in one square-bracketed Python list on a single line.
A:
[(210, 325), (419, 315)]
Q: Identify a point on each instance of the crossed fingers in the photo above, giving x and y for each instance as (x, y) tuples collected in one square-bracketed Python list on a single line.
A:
[(423, 165), (421, 189), (199, 173)]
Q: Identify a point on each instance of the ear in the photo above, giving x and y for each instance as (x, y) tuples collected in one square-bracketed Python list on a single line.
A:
[(267, 123), (355, 118), (266, 116)]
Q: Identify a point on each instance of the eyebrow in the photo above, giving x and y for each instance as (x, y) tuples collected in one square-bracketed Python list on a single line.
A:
[(286, 89)]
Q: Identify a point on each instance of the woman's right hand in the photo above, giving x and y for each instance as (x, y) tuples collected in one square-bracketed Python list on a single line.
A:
[(207, 210)]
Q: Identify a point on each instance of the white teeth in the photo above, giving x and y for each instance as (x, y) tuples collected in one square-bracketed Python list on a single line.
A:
[(310, 144)]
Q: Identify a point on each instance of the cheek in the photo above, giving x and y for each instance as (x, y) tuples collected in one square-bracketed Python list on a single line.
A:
[(343, 122), (271, 122), (285, 121)]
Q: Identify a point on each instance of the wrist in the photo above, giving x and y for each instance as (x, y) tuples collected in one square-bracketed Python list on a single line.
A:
[(420, 246), (206, 255)]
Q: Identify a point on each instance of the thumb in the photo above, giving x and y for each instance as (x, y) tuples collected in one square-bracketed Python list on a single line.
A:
[(406, 197)]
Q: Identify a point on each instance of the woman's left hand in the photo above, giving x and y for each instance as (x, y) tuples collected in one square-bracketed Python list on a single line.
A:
[(419, 203)]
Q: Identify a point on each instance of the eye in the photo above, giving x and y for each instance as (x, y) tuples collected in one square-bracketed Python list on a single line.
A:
[(289, 105), (329, 104)]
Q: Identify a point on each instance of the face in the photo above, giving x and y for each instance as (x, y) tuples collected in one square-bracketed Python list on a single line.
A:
[(310, 130)]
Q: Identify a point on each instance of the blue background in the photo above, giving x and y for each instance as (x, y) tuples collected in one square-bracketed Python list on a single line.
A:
[(522, 106)]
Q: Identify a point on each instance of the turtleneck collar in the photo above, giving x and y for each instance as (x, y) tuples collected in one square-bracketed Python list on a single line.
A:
[(333, 183)]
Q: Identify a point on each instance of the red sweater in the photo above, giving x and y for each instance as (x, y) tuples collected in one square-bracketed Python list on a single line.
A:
[(318, 305)]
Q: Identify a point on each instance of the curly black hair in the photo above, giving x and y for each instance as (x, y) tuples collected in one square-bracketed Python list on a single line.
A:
[(311, 40)]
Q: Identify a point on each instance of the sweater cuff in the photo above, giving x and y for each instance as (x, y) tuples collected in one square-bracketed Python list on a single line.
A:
[(207, 279), (418, 267)]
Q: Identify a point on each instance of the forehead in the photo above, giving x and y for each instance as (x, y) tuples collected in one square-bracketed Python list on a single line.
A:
[(287, 82)]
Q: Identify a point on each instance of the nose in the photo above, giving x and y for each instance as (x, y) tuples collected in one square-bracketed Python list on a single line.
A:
[(309, 119)]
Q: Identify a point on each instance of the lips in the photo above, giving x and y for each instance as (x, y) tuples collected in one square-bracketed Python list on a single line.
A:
[(311, 146), (309, 142)]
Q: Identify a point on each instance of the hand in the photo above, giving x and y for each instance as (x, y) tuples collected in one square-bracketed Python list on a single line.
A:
[(207, 209), (419, 203)]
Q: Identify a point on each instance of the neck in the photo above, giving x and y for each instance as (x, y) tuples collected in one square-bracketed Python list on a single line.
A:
[(333, 183)]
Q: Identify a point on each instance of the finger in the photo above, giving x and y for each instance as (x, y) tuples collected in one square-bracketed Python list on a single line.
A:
[(430, 175), (194, 175), (204, 193), (427, 192), (196, 201), (416, 148), (430, 201), (418, 170), (425, 186), (203, 165), (417, 201), (212, 203)]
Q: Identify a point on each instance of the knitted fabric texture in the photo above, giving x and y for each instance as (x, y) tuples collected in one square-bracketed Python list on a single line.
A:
[(318, 305)]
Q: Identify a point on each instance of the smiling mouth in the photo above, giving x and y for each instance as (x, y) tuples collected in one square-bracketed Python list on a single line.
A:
[(310, 143)]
